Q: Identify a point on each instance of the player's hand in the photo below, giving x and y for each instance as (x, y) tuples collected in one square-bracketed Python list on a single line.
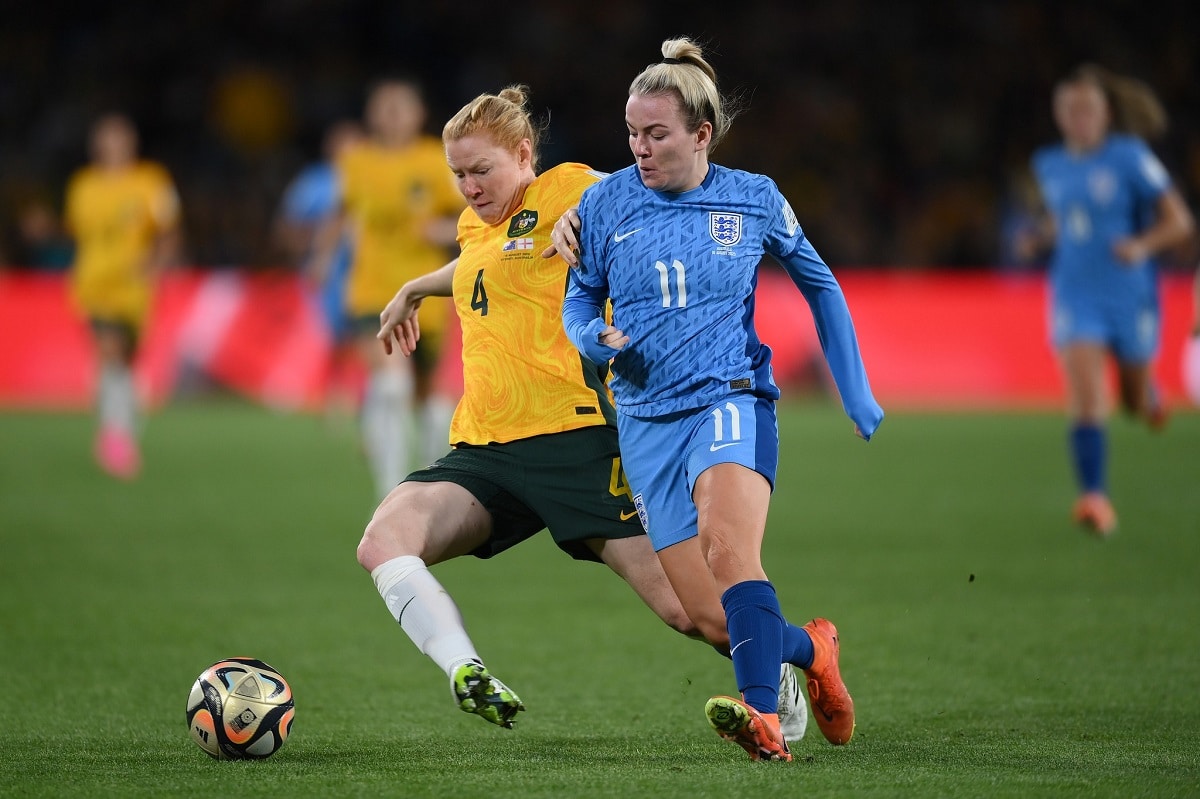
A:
[(601, 342), (1026, 244), (866, 419), (613, 338), (398, 323), (1130, 251), (565, 238)]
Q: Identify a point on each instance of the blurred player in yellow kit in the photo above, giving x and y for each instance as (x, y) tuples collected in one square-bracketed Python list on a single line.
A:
[(400, 206), (123, 214)]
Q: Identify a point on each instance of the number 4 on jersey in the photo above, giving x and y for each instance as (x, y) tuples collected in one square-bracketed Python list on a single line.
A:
[(479, 295)]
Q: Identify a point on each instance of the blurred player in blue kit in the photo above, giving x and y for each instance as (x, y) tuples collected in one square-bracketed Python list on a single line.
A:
[(311, 200), (675, 242), (1112, 210)]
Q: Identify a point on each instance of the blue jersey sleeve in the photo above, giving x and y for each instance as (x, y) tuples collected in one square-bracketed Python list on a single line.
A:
[(835, 329), (589, 272), (583, 318), (587, 289), (1148, 176)]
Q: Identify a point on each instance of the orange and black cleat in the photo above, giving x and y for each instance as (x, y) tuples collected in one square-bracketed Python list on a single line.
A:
[(755, 732), (831, 703), (1094, 511)]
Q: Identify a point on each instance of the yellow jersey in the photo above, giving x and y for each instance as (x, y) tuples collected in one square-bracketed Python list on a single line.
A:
[(114, 217), (390, 196), (522, 377)]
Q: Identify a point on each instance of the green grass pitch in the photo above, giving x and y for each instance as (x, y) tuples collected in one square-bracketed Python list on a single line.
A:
[(992, 648)]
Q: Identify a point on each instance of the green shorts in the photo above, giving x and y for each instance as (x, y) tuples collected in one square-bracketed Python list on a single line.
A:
[(571, 483), (128, 331), (424, 357)]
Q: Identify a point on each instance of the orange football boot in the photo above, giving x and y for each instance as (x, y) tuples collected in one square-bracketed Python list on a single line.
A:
[(756, 732), (831, 703), (1094, 511)]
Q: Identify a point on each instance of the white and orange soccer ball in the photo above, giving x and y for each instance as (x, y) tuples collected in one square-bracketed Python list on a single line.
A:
[(240, 709)]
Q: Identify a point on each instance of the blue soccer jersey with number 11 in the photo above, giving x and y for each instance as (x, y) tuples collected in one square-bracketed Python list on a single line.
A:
[(681, 270)]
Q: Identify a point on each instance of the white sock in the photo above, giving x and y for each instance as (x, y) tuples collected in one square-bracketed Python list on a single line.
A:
[(436, 414), (1191, 368), (385, 421), (117, 399), (425, 611)]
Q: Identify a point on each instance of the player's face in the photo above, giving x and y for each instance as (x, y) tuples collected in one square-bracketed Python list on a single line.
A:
[(1081, 112), (491, 178), (395, 112), (114, 142), (669, 157)]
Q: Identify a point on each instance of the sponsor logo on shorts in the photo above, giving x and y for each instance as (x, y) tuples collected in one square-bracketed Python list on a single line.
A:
[(641, 511)]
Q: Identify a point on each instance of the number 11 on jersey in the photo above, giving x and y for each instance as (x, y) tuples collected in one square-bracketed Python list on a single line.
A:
[(664, 283)]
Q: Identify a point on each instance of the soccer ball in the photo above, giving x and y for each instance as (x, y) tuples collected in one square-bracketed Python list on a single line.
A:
[(239, 709)]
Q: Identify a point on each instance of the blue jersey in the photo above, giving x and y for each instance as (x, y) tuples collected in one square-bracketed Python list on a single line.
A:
[(313, 196), (681, 270), (1096, 199)]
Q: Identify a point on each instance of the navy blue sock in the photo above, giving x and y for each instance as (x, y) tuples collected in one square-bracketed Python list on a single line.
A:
[(755, 625), (1089, 454), (797, 646)]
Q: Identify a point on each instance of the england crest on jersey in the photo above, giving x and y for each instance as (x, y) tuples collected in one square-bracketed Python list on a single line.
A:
[(725, 228)]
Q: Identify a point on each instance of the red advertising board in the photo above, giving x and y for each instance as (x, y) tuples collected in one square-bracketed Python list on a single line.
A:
[(930, 339)]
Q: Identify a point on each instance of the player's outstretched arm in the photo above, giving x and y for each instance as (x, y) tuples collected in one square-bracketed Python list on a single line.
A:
[(838, 340), (565, 238), (398, 323)]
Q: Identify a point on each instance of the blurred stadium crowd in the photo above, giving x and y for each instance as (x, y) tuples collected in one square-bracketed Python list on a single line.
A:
[(901, 131)]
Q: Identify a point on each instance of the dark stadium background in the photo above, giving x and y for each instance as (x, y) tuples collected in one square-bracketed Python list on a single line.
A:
[(900, 131)]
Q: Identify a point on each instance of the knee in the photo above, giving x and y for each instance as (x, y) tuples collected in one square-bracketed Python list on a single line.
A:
[(380, 541), (368, 547), (725, 562)]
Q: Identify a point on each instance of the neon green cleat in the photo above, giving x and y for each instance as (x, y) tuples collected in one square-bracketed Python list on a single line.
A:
[(477, 691)]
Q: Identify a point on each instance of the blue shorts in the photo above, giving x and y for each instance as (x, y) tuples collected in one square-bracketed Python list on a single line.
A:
[(1131, 333), (663, 456)]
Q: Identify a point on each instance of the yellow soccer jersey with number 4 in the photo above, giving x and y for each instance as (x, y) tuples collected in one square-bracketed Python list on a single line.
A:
[(522, 377), (114, 217), (391, 195)]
